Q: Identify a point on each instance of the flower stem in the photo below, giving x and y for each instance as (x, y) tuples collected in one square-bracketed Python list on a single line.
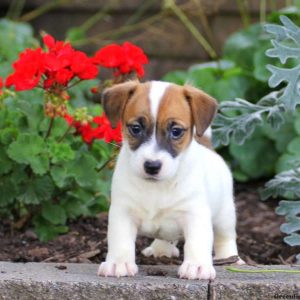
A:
[(105, 164), (232, 269), (49, 128), (73, 84), (65, 134)]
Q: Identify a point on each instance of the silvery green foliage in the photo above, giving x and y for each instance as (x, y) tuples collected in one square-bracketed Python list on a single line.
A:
[(238, 119), (287, 184), (286, 44), (246, 117)]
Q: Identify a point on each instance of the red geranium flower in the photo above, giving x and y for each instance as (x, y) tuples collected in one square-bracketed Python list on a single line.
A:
[(99, 128), (28, 70), (59, 64), (126, 58), (105, 131)]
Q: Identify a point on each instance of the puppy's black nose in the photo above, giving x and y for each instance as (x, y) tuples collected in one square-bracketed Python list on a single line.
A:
[(152, 167)]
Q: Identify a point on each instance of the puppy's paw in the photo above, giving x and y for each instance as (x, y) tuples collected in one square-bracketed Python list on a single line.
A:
[(160, 248), (110, 269), (196, 271), (240, 262)]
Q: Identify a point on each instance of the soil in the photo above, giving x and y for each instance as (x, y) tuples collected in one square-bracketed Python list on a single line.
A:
[(259, 238)]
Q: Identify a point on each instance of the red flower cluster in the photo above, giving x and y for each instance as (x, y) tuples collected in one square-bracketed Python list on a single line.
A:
[(126, 58), (56, 67), (99, 128), (53, 67)]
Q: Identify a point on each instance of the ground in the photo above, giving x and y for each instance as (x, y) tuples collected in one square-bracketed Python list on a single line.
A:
[(259, 238)]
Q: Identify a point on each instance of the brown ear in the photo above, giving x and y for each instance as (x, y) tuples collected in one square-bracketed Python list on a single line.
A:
[(203, 108), (114, 100)]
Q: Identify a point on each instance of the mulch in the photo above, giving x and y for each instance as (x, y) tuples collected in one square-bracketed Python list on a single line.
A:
[(259, 238)]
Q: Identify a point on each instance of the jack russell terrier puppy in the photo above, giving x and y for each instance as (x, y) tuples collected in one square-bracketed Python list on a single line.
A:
[(166, 185)]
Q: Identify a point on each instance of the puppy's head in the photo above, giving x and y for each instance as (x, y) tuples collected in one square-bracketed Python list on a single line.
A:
[(158, 120)]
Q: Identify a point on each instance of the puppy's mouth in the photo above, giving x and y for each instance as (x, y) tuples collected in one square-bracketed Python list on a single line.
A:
[(153, 178)]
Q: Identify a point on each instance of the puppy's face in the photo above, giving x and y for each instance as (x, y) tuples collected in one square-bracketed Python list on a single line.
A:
[(158, 120)]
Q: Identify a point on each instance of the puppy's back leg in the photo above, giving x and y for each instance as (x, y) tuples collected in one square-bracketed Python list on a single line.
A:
[(159, 248), (225, 233)]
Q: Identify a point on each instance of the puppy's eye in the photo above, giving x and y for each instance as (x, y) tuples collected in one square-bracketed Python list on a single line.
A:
[(135, 129), (176, 132)]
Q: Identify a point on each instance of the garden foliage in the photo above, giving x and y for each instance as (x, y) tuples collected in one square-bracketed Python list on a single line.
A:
[(54, 141), (273, 110)]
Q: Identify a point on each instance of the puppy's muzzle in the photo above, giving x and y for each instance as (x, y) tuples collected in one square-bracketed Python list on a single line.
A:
[(152, 167)]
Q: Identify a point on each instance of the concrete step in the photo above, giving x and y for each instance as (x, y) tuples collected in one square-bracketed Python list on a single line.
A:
[(47, 281)]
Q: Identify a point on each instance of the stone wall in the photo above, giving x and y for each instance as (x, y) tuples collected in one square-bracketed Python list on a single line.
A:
[(167, 42)]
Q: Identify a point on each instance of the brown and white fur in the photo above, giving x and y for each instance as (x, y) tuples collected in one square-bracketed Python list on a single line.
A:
[(166, 185)]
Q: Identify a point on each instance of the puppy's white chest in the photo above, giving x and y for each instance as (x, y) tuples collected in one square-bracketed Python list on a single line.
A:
[(162, 227)]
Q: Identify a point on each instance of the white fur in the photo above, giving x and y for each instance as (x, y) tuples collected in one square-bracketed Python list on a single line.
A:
[(157, 90), (192, 199)]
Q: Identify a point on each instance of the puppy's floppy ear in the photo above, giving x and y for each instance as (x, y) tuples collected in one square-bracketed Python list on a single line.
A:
[(114, 100), (203, 108)]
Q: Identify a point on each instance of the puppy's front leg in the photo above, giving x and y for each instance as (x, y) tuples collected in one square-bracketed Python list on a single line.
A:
[(198, 234), (120, 259)]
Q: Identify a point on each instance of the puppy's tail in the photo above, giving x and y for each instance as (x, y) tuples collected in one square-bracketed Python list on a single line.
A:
[(205, 139)]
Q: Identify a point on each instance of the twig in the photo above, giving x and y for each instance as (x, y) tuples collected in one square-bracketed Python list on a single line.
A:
[(43, 9), (243, 11), (232, 269), (262, 11), (113, 34), (192, 28)]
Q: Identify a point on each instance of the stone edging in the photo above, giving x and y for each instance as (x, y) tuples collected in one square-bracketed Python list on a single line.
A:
[(55, 281)]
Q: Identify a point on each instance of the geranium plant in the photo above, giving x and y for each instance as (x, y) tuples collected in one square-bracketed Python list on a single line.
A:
[(53, 153)]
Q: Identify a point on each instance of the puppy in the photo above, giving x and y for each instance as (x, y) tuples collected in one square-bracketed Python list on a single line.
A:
[(166, 185)]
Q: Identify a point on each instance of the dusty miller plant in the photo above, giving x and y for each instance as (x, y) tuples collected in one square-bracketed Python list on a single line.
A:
[(238, 120)]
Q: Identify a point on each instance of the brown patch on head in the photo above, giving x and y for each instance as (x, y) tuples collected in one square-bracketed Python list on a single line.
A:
[(114, 100), (129, 103), (205, 141), (137, 114), (184, 107), (174, 116), (203, 108)]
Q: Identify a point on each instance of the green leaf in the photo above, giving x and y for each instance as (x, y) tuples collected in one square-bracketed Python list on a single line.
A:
[(9, 191), (246, 42), (5, 163), (8, 135), (75, 34), (55, 214), (25, 148), (60, 152), (286, 161), (178, 77), (252, 159), (286, 45), (15, 37), (40, 164), (294, 146), (283, 183), (248, 116), (83, 170), (59, 127), (47, 231), (33, 112), (36, 189), (297, 124), (60, 176), (293, 239)]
